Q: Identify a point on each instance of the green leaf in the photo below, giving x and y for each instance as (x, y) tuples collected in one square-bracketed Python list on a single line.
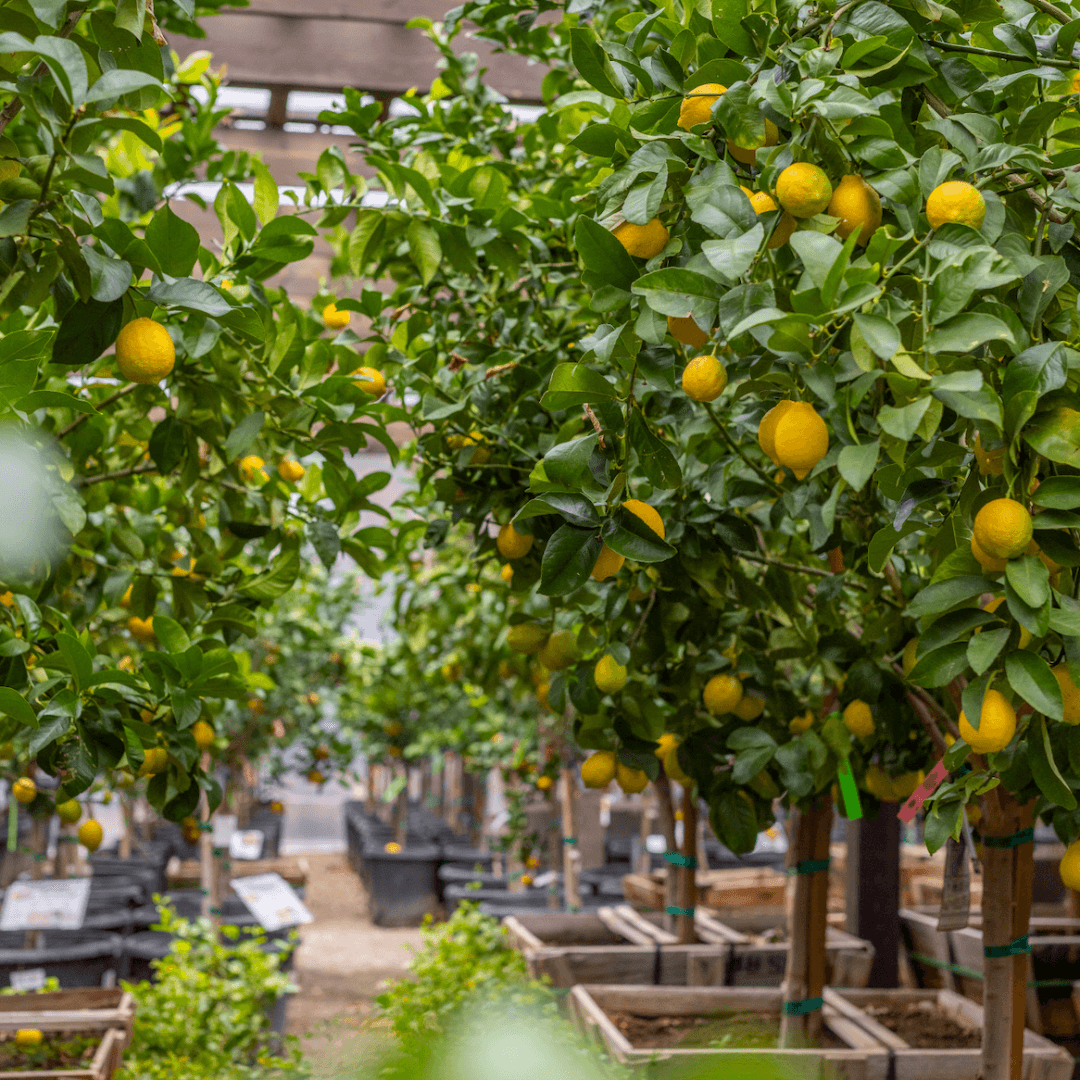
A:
[(130, 16), (424, 248), (678, 292), (1030, 577), (657, 461), (1044, 769), (191, 295), (592, 64), (1030, 676), (174, 242), (569, 556), (749, 762), (941, 666), (576, 384), (109, 278), (857, 464), (626, 534), (947, 594), (266, 193), (117, 82), (167, 444), (566, 463), (573, 508), (326, 540), (278, 580), (727, 16), (734, 821), (78, 660), (940, 824), (879, 334), (13, 704), (964, 333), (902, 423), (171, 635), (1058, 492), (604, 255), (244, 435), (818, 253), (983, 648), (1056, 435), (86, 331)]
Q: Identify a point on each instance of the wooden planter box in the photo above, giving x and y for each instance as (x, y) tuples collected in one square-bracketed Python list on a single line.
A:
[(188, 874), (715, 888), (1042, 1059), (108, 1011), (619, 945), (859, 1055)]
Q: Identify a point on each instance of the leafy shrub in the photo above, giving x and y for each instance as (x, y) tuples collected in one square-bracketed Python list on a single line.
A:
[(465, 957), (207, 1013)]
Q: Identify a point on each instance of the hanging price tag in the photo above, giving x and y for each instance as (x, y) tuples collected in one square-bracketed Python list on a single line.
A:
[(848, 790), (272, 901), (923, 792)]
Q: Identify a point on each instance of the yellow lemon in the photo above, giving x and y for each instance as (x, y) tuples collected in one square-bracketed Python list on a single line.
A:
[(667, 742), (608, 564), (909, 655), (672, 767), (316, 777), (766, 432), (251, 469), (696, 107), (992, 606), (763, 203), (155, 760), (544, 783), (28, 1037), (632, 781), (803, 189), (858, 719), (956, 200), (904, 784), (7, 598), (144, 351), (643, 241), (559, 651), (802, 724), (526, 637), (542, 692), (748, 155), (991, 462), (336, 320), (507, 573), (392, 847), (997, 725), (877, 783), (68, 812), (800, 438), (990, 565), (90, 835), (512, 544), (370, 381), (203, 734), (291, 471), (1070, 694), (1069, 868), (141, 629), (749, 708), (1003, 529), (704, 378), (686, 332), (722, 694), (25, 790), (609, 675), (598, 770), (647, 514), (858, 207)]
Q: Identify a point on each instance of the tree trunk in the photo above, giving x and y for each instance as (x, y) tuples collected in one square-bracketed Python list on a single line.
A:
[(400, 820), (687, 875), (1006, 907), (805, 977), (129, 825), (209, 881), (571, 855), (39, 841), (667, 827)]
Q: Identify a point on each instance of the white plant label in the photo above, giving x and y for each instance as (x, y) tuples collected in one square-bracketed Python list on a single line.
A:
[(45, 905), (30, 979), (224, 825), (246, 845), (272, 900)]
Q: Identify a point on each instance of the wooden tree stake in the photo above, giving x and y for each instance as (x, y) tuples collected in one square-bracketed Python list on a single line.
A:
[(805, 978), (687, 875), (571, 855), (666, 810)]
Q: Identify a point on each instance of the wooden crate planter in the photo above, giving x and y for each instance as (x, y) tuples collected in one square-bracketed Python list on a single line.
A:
[(108, 1011), (1042, 1059), (186, 873), (853, 1055), (619, 945), (715, 888)]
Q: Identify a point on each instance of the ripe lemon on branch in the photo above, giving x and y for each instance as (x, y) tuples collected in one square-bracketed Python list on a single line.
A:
[(643, 241), (800, 438), (958, 201), (90, 835), (763, 203), (859, 720), (686, 331), (370, 381), (858, 207), (1002, 529), (144, 351), (559, 651), (1070, 694), (632, 781), (704, 378), (997, 725), (598, 770), (991, 462), (803, 189), (512, 544), (609, 675), (696, 107), (608, 562), (334, 319), (722, 694), (290, 471)]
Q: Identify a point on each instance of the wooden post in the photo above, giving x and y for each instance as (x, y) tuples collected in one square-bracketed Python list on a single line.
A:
[(39, 841), (873, 890), (208, 869), (571, 856), (687, 875), (805, 977), (129, 824), (667, 827), (649, 816), (1006, 908)]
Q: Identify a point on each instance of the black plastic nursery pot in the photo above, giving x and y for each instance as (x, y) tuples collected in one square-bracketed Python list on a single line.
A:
[(402, 886), (79, 961)]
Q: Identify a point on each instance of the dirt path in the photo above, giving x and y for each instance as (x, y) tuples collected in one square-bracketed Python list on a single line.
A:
[(341, 965)]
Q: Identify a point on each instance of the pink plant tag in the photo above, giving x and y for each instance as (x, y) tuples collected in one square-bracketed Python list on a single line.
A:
[(923, 792)]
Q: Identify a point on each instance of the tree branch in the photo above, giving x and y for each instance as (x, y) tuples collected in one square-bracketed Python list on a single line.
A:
[(949, 46), (82, 417), (120, 474)]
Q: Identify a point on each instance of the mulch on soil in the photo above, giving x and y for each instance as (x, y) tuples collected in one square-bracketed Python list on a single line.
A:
[(924, 1025)]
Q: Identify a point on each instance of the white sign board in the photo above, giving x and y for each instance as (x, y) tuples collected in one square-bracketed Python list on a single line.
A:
[(30, 979), (45, 905), (656, 843), (246, 845), (224, 825), (272, 900)]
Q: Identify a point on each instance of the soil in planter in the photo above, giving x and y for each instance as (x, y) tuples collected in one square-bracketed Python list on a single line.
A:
[(925, 1026), (718, 1031), (62, 1050)]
